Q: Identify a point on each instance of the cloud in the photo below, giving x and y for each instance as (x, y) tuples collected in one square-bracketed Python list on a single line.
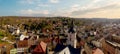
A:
[(114, 13), (75, 5), (81, 10), (68, 11), (96, 1), (54, 1), (93, 4), (34, 12), (95, 9)]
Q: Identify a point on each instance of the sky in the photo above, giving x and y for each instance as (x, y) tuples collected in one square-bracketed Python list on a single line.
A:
[(68, 8)]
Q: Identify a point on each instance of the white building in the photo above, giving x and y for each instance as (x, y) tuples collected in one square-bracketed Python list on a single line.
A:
[(71, 39), (22, 37), (18, 31), (97, 43)]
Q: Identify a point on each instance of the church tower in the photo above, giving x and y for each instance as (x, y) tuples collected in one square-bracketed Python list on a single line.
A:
[(71, 39)]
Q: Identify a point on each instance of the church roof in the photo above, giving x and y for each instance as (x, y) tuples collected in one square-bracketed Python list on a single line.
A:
[(74, 50), (59, 48)]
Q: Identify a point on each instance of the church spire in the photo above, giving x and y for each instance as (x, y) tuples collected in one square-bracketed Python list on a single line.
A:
[(71, 39), (71, 29)]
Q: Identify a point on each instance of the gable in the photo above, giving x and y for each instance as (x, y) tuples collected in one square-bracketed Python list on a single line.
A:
[(41, 47), (65, 51)]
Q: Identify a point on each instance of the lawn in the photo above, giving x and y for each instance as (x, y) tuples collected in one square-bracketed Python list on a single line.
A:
[(1, 34)]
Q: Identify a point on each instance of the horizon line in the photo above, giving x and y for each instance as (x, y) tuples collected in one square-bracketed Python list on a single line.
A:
[(65, 17)]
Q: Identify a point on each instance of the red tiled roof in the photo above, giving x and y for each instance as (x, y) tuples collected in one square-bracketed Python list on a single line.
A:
[(1, 45), (40, 48), (43, 45), (23, 43)]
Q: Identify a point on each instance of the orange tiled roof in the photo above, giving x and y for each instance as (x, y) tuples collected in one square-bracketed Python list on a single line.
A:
[(2, 45), (98, 51), (23, 43)]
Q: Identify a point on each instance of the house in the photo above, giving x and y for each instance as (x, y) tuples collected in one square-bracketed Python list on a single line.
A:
[(18, 31), (111, 45), (23, 43), (96, 43), (2, 49), (4, 39), (97, 51), (22, 37), (33, 40), (62, 49), (40, 48), (107, 48), (15, 31), (13, 51), (31, 48), (22, 46)]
